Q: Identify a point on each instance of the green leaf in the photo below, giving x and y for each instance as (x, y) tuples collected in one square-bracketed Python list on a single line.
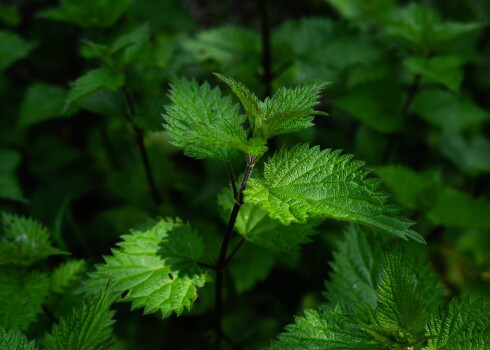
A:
[(377, 104), (356, 268), (422, 31), (400, 308), (204, 124), (89, 327), (235, 51), (258, 228), (359, 9), (93, 81), (449, 111), (93, 14), (325, 328), (472, 156), (250, 266), (413, 190), (304, 182), (13, 48), (287, 111), (142, 276), (43, 102), (21, 297), (15, 340), (66, 273), (460, 325), (9, 185), (129, 46), (304, 55), (445, 70), (454, 208), (24, 241)]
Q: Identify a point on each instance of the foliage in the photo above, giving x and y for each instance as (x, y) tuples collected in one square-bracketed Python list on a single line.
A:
[(224, 151)]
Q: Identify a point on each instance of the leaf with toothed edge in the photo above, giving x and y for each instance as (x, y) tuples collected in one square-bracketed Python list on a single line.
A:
[(302, 182)]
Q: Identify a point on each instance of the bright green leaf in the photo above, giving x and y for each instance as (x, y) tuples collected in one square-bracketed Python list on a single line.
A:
[(143, 276), (460, 325), (93, 81), (13, 48), (21, 297), (89, 327), (15, 340), (24, 241), (302, 182), (204, 124), (322, 329), (448, 111)]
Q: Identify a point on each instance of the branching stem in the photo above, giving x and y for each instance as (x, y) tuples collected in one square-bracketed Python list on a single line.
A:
[(223, 261), (141, 147)]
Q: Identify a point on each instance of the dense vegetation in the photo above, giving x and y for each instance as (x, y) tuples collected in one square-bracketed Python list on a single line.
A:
[(193, 174)]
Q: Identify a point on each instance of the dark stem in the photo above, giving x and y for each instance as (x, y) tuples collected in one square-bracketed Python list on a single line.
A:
[(232, 179), (142, 148), (394, 138), (266, 46), (222, 259)]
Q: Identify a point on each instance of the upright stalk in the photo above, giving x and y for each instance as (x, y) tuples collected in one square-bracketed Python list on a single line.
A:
[(222, 259), (142, 148), (266, 46)]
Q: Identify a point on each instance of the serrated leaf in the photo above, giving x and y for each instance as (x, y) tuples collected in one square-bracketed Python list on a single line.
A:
[(65, 273), (93, 14), (460, 325), (205, 125), (13, 48), (356, 268), (15, 340), (93, 81), (445, 70), (148, 280), (9, 185), (43, 102), (24, 241), (287, 111), (89, 327), (413, 190), (255, 225), (377, 104), (302, 182), (400, 307), (325, 328), (454, 208), (21, 297), (449, 111)]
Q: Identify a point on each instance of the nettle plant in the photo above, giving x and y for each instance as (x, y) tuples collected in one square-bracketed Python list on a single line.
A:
[(379, 295)]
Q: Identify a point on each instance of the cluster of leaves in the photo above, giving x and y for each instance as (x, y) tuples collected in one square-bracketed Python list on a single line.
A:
[(83, 150)]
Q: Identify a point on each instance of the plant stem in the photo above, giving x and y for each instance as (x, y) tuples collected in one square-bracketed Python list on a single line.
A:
[(222, 259), (266, 46), (232, 179), (142, 148)]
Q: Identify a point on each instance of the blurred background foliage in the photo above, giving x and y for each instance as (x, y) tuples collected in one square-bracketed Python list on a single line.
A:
[(83, 85)]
